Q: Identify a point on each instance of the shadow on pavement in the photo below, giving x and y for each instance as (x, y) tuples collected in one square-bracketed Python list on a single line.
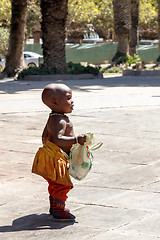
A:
[(35, 222), (10, 86)]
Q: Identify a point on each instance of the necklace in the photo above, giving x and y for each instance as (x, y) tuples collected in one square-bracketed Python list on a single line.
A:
[(57, 114)]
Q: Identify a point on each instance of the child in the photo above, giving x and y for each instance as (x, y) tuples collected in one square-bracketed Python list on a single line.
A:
[(58, 137)]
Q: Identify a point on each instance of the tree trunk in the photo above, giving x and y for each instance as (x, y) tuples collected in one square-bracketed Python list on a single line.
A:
[(158, 1), (123, 44), (36, 36), (54, 13), (14, 59), (122, 25), (134, 26)]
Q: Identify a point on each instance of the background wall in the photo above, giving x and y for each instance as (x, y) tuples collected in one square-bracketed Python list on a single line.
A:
[(98, 53)]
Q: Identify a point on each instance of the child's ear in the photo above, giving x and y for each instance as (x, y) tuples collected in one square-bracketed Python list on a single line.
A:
[(54, 101)]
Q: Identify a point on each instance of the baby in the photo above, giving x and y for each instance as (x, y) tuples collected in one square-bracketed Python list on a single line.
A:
[(58, 137)]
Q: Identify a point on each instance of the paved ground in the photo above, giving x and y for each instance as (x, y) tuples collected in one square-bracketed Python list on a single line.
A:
[(120, 197)]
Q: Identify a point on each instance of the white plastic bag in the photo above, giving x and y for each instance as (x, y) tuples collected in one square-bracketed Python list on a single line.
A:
[(81, 157)]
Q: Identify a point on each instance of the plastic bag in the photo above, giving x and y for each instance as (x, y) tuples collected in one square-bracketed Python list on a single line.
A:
[(81, 157)]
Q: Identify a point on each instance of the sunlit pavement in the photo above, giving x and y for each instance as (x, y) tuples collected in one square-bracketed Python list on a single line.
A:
[(120, 197)]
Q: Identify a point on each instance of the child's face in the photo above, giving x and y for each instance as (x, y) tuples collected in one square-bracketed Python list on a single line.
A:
[(65, 102)]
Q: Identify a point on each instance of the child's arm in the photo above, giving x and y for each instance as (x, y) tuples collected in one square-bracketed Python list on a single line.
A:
[(45, 135), (58, 131)]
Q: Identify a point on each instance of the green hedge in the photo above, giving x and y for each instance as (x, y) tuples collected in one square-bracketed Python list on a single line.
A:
[(72, 68)]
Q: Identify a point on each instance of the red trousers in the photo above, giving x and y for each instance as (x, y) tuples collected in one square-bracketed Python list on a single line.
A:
[(58, 191)]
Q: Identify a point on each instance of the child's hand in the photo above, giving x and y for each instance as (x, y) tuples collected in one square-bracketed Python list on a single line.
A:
[(81, 139)]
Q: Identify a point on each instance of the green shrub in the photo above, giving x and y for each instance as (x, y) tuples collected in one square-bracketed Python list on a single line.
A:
[(77, 68), (36, 71), (119, 58), (123, 58), (72, 68), (133, 60), (113, 69), (1, 69)]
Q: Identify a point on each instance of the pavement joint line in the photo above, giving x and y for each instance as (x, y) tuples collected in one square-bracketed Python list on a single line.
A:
[(101, 205), (123, 225), (133, 221), (123, 136), (88, 109), (78, 115), (10, 150), (3, 175), (85, 109), (141, 164), (116, 151), (124, 189), (35, 111), (112, 188), (144, 191), (153, 163), (124, 233), (118, 107), (142, 186), (135, 167), (148, 184), (140, 234)]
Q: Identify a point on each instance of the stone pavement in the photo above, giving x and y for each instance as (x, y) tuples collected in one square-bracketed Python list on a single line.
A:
[(120, 197)]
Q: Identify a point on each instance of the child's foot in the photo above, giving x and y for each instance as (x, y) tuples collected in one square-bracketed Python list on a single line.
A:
[(63, 215), (51, 210), (58, 211), (65, 209), (51, 199)]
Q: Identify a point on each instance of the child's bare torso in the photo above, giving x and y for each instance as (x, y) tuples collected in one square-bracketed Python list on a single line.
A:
[(58, 128)]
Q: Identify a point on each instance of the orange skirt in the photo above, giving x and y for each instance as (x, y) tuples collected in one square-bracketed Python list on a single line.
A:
[(49, 162)]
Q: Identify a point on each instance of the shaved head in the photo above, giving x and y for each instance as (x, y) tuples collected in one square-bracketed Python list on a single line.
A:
[(53, 92)]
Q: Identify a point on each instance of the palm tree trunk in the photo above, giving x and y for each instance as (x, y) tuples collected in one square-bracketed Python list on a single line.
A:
[(158, 1), (54, 13), (134, 26), (122, 25), (14, 59)]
